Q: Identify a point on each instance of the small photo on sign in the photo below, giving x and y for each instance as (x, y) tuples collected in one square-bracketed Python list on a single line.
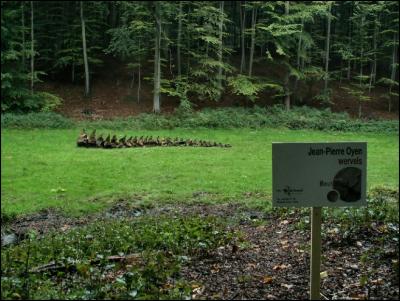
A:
[(348, 183), (333, 196)]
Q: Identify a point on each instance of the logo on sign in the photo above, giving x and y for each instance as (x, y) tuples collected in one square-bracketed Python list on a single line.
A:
[(289, 190)]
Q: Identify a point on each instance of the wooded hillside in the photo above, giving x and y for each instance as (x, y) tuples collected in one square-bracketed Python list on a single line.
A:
[(200, 50)]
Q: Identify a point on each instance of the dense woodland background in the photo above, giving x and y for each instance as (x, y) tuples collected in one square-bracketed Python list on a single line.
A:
[(296, 53)]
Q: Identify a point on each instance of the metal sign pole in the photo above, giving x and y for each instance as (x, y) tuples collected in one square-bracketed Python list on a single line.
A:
[(315, 257)]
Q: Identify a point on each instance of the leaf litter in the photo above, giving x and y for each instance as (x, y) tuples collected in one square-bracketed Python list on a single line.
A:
[(268, 261)]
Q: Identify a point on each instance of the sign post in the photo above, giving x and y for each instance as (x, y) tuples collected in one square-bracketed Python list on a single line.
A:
[(315, 253), (318, 175)]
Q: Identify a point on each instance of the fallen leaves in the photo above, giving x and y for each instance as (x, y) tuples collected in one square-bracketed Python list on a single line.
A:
[(215, 268), (323, 275), (378, 281), (354, 266), (284, 244), (281, 267), (333, 231), (288, 286), (265, 270), (359, 296), (65, 228), (267, 279), (197, 290)]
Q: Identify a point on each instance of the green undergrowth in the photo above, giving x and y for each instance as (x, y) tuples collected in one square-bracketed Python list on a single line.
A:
[(141, 258), (257, 117), (36, 120), (123, 259), (372, 229), (382, 209)]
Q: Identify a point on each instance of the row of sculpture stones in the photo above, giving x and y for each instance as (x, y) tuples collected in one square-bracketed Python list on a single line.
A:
[(85, 140)]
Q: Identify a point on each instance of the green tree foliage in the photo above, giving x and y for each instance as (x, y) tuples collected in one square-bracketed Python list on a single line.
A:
[(290, 48), (203, 29), (15, 92), (59, 36), (13, 73)]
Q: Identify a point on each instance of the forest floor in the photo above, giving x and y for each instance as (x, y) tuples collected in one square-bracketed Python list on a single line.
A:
[(112, 99), (114, 95), (270, 259)]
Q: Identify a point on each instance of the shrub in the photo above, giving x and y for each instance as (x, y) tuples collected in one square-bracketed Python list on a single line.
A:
[(49, 101), (257, 117), (35, 120), (158, 247)]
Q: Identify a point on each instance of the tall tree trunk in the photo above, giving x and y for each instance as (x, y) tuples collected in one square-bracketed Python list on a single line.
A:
[(252, 42), (373, 65), (23, 34), (188, 45), (133, 79), (287, 94), (179, 38), (286, 79), (349, 61), (298, 54), (85, 58), (73, 72), (139, 84), (299, 45), (361, 50), (233, 27), (242, 11), (139, 71), (328, 37), (32, 50), (393, 72), (171, 71), (221, 13), (157, 71), (376, 31), (287, 3), (165, 46), (361, 63), (287, 102), (113, 14)]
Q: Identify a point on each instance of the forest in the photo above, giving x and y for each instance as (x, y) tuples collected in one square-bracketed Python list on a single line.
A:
[(195, 51), (192, 150)]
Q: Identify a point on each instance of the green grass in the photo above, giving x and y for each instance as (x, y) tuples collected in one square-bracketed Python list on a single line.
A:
[(38, 165)]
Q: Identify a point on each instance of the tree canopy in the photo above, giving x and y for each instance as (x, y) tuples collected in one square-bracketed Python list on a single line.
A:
[(201, 49)]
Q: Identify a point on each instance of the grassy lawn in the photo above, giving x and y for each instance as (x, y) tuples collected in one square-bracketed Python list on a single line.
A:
[(44, 168)]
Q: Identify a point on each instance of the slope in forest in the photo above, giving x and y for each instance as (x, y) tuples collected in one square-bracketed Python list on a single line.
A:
[(114, 95)]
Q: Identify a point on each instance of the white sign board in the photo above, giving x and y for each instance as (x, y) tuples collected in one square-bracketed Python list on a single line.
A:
[(319, 174)]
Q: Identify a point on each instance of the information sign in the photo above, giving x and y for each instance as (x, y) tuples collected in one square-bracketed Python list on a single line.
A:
[(319, 174)]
